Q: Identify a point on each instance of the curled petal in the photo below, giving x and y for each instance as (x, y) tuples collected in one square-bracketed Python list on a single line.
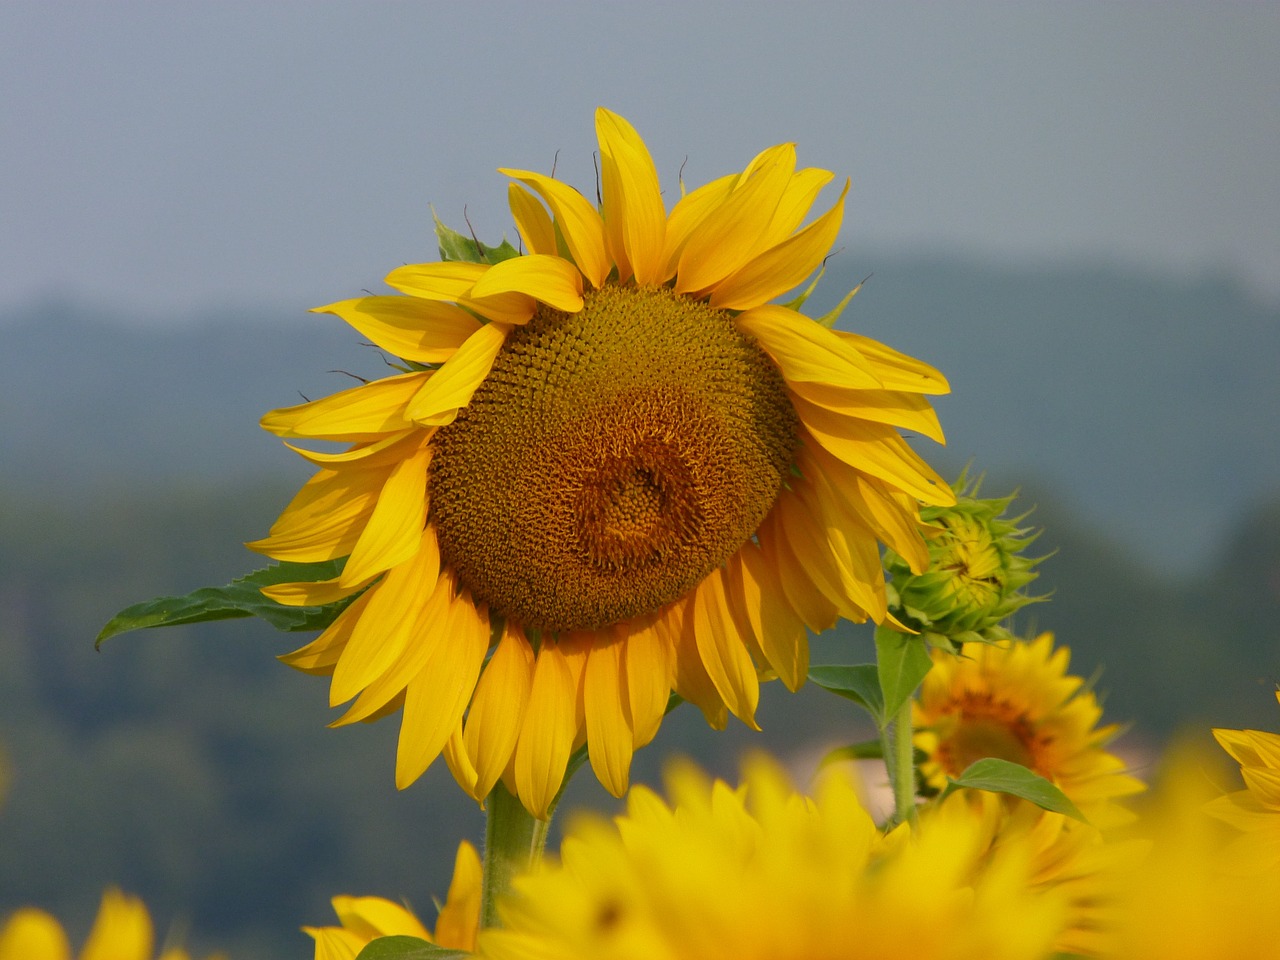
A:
[(450, 389), (635, 220), (579, 223), (554, 281), (427, 331)]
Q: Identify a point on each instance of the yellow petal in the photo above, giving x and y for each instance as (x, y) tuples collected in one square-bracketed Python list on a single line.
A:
[(122, 930), (321, 655), (532, 220), (454, 281), (782, 267), (334, 943), (394, 531), (896, 521), (554, 281), (459, 919), (452, 386), (366, 412), (895, 370), (437, 697), (805, 350), (373, 453), (809, 603), (843, 555), (311, 593), (722, 650), (876, 450), (372, 917), (687, 215), (325, 518), (906, 411), (498, 707), (460, 764), (32, 934), (437, 281), (635, 220), (754, 590), (802, 190), (728, 236), (426, 331), (610, 741), (382, 632), (550, 725), (429, 630), (692, 680), (650, 671), (579, 223)]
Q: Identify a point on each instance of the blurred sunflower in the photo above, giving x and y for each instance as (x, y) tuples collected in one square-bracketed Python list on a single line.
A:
[(611, 470), (364, 919), (1254, 810), (764, 873), (1073, 860), (1188, 898), (122, 931), (1017, 702)]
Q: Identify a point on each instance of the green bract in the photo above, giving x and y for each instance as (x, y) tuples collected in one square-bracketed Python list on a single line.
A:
[(976, 572)]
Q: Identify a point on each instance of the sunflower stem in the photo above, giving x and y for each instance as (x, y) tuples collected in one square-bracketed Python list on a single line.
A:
[(901, 763), (513, 841)]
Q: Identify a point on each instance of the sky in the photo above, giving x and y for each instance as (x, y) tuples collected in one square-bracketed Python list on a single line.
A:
[(160, 158)]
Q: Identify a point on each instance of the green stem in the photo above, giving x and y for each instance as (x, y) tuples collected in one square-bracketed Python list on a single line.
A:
[(901, 764), (513, 841)]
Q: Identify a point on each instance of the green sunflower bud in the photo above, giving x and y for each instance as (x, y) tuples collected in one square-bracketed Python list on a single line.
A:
[(976, 571)]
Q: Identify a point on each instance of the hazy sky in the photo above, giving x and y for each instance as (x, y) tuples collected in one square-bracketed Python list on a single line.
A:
[(159, 157)]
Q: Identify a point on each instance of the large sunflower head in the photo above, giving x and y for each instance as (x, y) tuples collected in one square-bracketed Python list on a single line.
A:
[(1017, 702), (612, 468)]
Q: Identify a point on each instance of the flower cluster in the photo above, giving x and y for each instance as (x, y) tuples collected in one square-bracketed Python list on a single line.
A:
[(613, 472)]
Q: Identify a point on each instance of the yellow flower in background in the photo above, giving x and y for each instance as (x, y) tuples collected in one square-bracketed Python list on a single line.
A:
[(1188, 899), (613, 469), (364, 919), (122, 931), (1073, 861), (764, 872), (1017, 702), (1254, 810)]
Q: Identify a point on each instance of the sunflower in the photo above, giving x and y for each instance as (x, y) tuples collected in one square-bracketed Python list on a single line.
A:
[(611, 469), (122, 931), (1188, 898), (1073, 860), (764, 872), (1254, 810), (1017, 702), (364, 919)]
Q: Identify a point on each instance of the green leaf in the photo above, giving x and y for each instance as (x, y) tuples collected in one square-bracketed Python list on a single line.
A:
[(407, 948), (902, 661), (455, 246), (1004, 776), (858, 682), (240, 598)]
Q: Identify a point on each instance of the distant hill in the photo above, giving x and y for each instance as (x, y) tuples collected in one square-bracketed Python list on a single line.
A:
[(1146, 403)]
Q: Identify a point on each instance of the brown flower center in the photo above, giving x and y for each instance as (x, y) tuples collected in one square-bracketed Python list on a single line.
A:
[(610, 460), (984, 727)]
